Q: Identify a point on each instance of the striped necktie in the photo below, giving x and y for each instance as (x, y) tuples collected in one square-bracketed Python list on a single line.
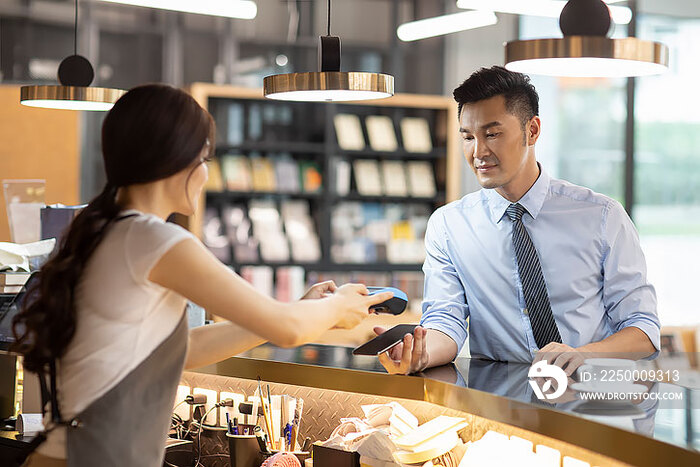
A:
[(544, 328)]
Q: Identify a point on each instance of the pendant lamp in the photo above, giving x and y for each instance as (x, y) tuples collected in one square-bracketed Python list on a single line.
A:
[(329, 84), (75, 74), (585, 50)]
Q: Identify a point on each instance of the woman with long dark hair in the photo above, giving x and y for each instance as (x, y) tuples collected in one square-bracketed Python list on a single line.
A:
[(106, 312)]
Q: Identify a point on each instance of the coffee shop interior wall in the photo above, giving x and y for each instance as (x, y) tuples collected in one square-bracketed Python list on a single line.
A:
[(130, 45)]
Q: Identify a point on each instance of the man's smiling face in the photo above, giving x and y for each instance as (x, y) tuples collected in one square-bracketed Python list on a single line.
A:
[(494, 142)]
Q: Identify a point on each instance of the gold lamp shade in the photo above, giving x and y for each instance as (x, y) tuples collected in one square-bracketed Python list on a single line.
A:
[(587, 56), (328, 86), (70, 97)]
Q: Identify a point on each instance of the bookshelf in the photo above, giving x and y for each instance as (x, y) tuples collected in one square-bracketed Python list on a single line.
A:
[(347, 217)]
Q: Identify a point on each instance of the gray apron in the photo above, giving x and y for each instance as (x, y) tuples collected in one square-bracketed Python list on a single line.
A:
[(128, 426)]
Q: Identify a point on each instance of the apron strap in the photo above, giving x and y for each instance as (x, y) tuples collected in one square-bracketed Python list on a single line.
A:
[(55, 411)]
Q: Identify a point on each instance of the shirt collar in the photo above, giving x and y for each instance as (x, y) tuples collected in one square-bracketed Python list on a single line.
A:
[(532, 201)]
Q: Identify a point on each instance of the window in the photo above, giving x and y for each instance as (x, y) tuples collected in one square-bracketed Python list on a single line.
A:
[(667, 169)]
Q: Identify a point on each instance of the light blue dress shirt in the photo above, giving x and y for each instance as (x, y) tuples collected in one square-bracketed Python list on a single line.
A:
[(591, 260)]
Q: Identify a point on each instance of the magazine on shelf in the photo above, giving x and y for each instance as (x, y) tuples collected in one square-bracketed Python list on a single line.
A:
[(381, 133), (235, 170), (348, 130), (415, 133), (343, 175), (267, 229), (263, 174), (363, 232), (311, 178), (289, 283), (421, 179), (394, 178), (239, 231), (301, 232), (287, 175), (274, 247), (367, 178), (235, 134), (255, 122), (213, 236), (260, 277)]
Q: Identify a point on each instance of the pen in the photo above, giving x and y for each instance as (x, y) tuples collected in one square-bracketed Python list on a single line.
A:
[(267, 421), (272, 434), (269, 398), (298, 410), (235, 425), (288, 436), (228, 424)]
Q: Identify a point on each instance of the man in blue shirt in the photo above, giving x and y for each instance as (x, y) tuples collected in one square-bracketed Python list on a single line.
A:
[(529, 267)]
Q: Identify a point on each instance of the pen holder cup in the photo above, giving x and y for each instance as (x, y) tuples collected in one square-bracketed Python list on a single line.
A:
[(244, 451)]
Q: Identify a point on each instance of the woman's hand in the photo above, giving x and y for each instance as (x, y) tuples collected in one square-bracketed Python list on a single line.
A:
[(354, 303), (320, 290)]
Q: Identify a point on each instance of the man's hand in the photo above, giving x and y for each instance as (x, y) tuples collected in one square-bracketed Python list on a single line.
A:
[(409, 356), (564, 356), (320, 290)]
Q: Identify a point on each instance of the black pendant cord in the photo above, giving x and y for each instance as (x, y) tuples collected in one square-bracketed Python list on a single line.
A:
[(75, 30), (328, 33)]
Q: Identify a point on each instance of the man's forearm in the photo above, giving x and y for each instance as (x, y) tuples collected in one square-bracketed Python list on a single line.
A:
[(630, 340), (441, 348)]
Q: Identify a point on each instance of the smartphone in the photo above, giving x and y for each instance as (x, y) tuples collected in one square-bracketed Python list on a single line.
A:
[(384, 342)]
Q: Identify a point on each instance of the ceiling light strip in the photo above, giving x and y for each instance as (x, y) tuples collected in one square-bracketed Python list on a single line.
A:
[(544, 8), (241, 9), (446, 24)]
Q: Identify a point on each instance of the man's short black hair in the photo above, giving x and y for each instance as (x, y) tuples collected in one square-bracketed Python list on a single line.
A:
[(520, 95)]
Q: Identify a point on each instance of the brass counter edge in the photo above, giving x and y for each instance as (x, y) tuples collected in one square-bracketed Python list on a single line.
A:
[(603, 439)]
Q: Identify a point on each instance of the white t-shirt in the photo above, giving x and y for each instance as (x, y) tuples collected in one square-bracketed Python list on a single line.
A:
[(121, 316)]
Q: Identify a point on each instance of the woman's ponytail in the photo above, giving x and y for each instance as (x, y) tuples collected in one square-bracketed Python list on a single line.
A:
[(47, 322)]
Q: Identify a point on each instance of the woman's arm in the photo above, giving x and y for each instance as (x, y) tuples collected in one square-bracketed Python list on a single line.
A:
[(216, 342), (192, 271)]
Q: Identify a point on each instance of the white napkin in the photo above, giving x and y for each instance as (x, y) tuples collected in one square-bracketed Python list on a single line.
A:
[(15, 256)]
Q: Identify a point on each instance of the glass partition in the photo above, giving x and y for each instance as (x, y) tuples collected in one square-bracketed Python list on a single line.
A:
[(667, 169)]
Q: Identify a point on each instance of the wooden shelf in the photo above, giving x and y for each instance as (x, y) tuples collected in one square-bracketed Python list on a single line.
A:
[(439, 198), (342, 267), (246, 195), (320, 148), (393, 155), (271, 146), (239, 195)]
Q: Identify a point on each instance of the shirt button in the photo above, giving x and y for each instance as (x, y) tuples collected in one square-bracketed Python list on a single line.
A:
[(533, 350), (525, 312)]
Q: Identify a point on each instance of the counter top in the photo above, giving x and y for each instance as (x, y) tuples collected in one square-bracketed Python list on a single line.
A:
[(655, 431)]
